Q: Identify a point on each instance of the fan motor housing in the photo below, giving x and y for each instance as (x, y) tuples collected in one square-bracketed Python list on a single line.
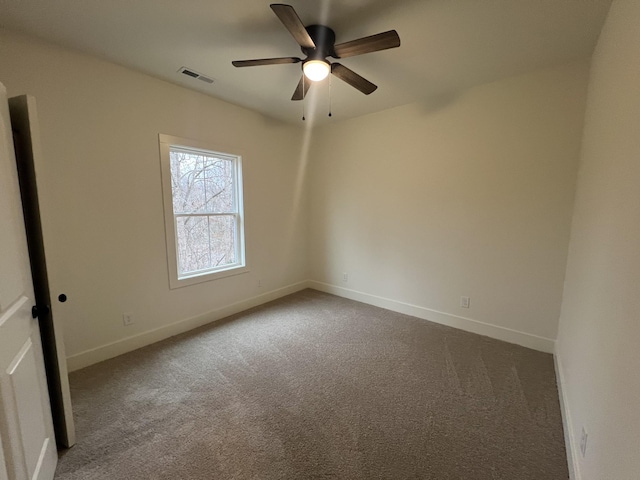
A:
[(324, 39)]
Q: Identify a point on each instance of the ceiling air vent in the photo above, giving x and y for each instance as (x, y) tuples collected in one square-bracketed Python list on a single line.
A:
[(193, 74)]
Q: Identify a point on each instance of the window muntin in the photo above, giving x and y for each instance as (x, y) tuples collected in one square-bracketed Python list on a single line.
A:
[(203, 211)]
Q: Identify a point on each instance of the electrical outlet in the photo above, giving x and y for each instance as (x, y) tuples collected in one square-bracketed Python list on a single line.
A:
[(583, 442), (345, 277), (464, 302), (127, 319), (259, 283)]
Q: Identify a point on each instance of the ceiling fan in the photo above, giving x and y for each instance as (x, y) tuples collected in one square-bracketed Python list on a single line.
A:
[(317, 42)]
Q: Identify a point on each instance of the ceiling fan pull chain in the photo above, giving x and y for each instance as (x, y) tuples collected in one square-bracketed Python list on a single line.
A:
[(329, 95), (304, 99)]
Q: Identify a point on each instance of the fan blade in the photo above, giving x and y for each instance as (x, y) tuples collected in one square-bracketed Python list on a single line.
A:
[(374, 43), (352, 78), (299, 94), (292, 22), (265, 61)]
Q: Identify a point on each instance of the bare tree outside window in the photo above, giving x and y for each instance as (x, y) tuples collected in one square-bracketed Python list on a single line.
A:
[(205, 209)]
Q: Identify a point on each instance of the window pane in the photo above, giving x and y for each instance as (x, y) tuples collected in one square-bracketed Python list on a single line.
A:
[(223, 240), (219, 186), (201, 183), (193, 244), (185, 175), (205, 242)]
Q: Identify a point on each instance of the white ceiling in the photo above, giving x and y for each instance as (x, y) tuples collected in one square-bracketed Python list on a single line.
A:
[(447, 45)]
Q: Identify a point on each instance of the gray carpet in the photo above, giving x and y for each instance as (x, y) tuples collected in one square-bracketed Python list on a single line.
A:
[(313, 386)]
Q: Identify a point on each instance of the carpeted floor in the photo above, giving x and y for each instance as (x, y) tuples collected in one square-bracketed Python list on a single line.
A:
[(314, 386)]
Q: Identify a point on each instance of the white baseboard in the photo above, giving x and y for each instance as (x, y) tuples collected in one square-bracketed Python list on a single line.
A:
[(567, 424), (113, 349), (467, 324)]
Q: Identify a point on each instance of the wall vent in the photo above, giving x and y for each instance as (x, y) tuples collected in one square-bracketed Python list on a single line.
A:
[(193, 74)]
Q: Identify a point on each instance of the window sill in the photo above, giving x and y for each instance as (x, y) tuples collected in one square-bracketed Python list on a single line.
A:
[(206, 277)]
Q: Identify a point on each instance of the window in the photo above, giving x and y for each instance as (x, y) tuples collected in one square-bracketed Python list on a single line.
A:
[(202, 191)]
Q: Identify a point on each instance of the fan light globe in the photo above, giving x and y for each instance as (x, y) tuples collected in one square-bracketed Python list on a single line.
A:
[(316, 70)]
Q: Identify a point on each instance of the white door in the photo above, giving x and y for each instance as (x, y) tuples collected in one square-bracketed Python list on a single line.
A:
[(27, 444)]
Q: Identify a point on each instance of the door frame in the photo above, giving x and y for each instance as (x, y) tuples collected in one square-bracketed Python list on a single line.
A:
[(26, 137)]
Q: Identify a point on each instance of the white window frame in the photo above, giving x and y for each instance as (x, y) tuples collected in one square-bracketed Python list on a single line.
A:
[(175, 280)]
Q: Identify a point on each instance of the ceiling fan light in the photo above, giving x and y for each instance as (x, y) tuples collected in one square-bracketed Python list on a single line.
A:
[(316, 70)]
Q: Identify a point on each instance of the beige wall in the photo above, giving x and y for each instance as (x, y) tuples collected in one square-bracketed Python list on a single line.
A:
[(598, 345), (423, 204), (101, 193)]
